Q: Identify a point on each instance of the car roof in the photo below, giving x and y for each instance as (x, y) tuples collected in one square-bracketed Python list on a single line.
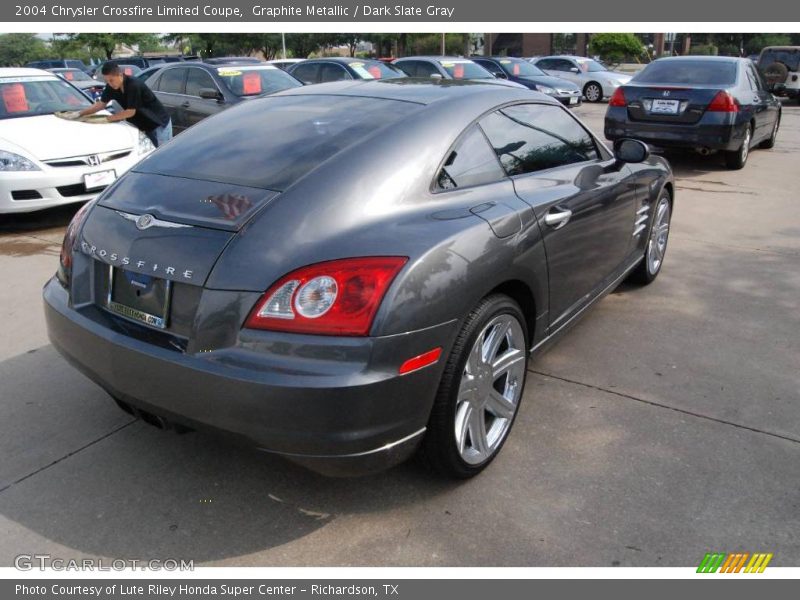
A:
[(340, 59), (435, 58), (423, 91), (22, 72), (698, 57)]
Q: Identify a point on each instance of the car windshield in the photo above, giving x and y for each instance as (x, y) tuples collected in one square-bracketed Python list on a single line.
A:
[(520, 68), (73, 75), (253, 81), (32, 96), (271, 142), (694, 72), (591, 66), (465, 69), (790, 58), (375, 69)]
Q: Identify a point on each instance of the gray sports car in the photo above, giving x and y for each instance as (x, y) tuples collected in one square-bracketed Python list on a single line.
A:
[(344, 273)]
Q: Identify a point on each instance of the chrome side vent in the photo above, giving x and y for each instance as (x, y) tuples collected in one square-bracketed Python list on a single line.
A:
[(642, 216)]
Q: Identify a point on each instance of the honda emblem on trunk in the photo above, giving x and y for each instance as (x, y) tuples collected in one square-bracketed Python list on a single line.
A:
[(93, 160)]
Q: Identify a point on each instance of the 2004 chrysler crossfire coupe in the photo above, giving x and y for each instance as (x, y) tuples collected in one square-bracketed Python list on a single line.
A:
[(347, 272)]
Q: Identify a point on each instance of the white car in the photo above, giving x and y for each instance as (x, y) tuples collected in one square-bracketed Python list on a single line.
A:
[(596, 81), (49, 161)]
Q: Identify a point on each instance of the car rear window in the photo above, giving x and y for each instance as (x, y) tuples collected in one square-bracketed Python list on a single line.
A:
[(465, 69), (272, 142), (693, 72)]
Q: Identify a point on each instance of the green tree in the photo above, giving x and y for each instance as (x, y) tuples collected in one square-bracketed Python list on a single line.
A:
[(107, 42), (762, 40), (16, 49), (302, 44), (614, 47)]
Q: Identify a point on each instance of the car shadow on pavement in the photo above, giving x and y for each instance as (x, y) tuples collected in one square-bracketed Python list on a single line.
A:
[(121, 488), (36, 221)]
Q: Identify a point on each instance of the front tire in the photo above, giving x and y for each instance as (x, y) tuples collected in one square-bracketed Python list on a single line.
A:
[(480, 390), (737, 159), (655, 250), (593, 92)]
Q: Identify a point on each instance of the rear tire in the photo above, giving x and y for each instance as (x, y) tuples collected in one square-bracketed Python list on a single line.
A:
[(770, 143), (655, 250), (480, 390), (593, 92), (737, 159)]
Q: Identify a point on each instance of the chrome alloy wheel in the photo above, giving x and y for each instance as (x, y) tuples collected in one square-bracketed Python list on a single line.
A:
[(746, 145), (490, 389), (593, 92), (659, 234)]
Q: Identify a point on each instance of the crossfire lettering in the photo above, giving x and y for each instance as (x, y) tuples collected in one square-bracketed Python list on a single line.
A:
[(121, 260)]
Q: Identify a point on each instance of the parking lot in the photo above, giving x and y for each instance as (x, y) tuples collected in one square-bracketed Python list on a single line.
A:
[(665, 425)]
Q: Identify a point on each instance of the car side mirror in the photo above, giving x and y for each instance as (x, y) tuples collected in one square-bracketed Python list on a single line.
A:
[(631, 151), (436, 76), (574, 70), (210, 94)]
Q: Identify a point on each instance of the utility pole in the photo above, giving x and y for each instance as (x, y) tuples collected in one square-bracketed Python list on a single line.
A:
[(283, 43)]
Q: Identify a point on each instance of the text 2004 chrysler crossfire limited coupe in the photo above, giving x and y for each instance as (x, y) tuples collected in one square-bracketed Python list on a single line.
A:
[(347, 272)]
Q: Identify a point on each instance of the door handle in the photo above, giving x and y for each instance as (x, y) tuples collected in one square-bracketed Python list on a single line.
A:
[(557, 218), (185, 104)]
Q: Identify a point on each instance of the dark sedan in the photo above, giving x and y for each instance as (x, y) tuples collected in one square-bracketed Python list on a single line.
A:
[(324, 70), (709, 104), (192, 91), (448, 67), (532, 77), (344, 273), (82, 81)]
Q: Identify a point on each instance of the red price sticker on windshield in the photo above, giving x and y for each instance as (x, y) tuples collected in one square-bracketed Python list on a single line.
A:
[(516, 68), (251, 83), (375, 71), (458, 71), (14, 98)]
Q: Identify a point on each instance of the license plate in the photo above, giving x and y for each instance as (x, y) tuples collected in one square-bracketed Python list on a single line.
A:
[(665, 107), (139, 297), (92, 181), (573, 100)]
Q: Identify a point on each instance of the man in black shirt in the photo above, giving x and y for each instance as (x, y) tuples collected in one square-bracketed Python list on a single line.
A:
[(140, 106)]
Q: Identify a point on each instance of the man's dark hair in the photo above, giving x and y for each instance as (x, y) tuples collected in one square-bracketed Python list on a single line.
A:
[(110, 69)]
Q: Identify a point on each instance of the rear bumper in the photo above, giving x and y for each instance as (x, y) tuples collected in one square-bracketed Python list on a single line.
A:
[(710, 132), (354, 417)]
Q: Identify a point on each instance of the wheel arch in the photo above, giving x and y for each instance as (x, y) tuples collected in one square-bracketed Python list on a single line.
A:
[(522, 294)]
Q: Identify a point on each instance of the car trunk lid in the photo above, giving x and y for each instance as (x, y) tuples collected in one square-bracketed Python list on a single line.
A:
[(193, 202), (668, 103)]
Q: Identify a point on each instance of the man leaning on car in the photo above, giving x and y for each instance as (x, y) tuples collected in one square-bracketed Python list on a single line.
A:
[(140, 106)]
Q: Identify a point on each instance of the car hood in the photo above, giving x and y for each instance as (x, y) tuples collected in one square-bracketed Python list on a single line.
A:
[(48, 137), (553, 82)]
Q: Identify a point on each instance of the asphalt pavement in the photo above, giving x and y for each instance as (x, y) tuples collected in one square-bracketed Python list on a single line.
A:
[(665, 425)]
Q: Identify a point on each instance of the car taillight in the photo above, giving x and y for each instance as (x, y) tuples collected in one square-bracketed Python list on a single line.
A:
[(617, 98), (723, 102), (338, 297), (67, 246)]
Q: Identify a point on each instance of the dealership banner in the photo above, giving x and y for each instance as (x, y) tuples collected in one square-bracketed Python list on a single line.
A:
[(334, 11), (384, 589)]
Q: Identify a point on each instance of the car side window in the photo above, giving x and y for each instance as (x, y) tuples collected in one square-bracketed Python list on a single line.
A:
[(563, 65), (307, 73), (490, 66), (409, 67), (752, 76), (198, 79), (427, 69), (545, 63), (534, 137), (470, 162), (171, 81), (331, 72)]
